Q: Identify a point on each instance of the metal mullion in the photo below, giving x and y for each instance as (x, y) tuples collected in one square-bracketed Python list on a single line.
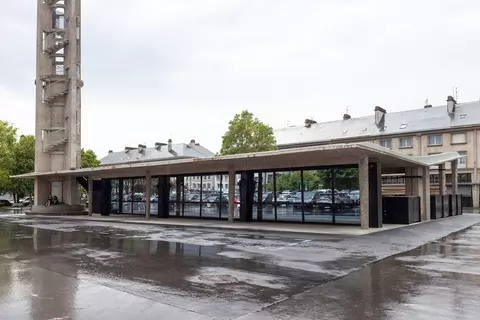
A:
[(131, 196), (275, 195), (221, 197), (334, 207), (302, 190), (201, 195), (183, 196)]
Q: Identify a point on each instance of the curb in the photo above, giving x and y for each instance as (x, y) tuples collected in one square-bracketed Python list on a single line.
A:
[(199, 226)]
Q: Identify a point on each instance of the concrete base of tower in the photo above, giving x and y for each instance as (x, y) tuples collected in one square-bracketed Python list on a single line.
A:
[(59, 210)]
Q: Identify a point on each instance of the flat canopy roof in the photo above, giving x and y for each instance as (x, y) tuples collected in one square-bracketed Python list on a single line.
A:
[(316, 156)]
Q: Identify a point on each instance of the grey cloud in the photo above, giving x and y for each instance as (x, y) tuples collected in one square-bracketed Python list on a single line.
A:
[(181, 69)]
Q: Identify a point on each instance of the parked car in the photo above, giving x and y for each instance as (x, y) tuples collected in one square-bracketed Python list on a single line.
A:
[(213, 201), (309, 199), (355, 196), (5, 203), (27, 201), (344, 200)]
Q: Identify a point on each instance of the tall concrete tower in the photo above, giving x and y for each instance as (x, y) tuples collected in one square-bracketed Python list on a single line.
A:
[(58, 102)]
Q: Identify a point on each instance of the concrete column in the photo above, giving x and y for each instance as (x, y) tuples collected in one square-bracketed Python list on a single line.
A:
[(425, 201), (148, 195), (442, 187), (455, 177), (90, 196), (422, 190), (417, 183), (408, 182), (364, 192), (475, 196), (231, 196), (260, 197)]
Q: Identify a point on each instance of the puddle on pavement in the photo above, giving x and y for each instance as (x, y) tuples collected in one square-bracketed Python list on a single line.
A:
[(169, 259)]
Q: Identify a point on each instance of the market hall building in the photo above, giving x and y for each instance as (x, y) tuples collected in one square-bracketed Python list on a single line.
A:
[(114, 188)]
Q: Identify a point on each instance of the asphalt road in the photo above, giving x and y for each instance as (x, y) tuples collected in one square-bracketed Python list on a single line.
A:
[(58, 269)]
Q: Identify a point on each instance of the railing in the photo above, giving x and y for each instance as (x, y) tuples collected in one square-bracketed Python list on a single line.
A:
[(53, 137), (54, 90), (55, 41)]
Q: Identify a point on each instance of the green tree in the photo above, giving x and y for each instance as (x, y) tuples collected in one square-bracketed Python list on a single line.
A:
[(23, 162), (247, 134), (89, 159), (8, 138)]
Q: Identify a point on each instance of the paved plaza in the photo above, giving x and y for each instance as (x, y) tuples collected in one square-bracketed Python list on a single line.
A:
[(71, 269)]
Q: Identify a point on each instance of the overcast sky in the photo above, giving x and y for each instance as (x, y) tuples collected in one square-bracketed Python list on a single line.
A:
[(181, 69)]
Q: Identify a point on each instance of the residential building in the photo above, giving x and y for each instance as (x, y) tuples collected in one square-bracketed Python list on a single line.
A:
[(419, 132)]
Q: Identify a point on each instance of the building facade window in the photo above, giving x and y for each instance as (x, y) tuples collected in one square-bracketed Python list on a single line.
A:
[(435, 140), (462, 162), (389, 180), (406, 143), (462, 178), (386, 143), (459, 138)]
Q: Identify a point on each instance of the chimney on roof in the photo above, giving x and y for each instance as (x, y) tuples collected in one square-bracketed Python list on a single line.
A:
[(192, 143), (110, 151), (380, 117), (346, 116), (309, 122), (127, 149), (170, 148), (141, 147), (451, 105), (427, 106), (159, 145)]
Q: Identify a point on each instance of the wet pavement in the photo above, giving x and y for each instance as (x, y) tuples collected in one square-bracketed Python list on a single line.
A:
[(58, 269), (439, 280)]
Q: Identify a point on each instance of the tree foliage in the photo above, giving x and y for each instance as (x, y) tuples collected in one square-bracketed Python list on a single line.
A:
[(89, 159), (316, 179), (23, 162), (247, 134), (8, 138)]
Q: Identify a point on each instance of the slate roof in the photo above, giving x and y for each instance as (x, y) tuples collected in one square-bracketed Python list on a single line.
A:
[(418, 120), (181, 151)]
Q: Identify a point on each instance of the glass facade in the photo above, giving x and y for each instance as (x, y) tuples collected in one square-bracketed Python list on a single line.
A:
[(324, 195)]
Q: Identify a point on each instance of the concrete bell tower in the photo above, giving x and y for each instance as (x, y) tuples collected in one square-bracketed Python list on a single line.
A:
[(58, 103)]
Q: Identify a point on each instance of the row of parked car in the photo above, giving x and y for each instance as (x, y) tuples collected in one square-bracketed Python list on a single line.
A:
[(347, 198), (22, 202)]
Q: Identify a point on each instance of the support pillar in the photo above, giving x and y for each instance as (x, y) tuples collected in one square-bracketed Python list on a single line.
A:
[(408, 182), (454, 177), (442, 187), (375, 196), (231, 196), (364, 192), (148, 195), (247, 188), (260, 197), (425, 195), (90, 196), (476, 194), (163, 196)]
